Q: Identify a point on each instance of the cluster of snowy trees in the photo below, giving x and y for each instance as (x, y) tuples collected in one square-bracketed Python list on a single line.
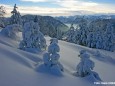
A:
[(12, 29), (32, 37), (93, 36), (48, 25)]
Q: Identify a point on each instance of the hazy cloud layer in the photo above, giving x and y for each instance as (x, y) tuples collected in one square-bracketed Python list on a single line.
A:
[(66, 7)]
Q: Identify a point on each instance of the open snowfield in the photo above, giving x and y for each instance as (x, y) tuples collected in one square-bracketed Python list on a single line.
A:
[(17, 67)]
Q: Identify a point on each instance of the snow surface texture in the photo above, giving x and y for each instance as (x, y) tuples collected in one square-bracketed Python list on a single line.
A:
[(17, 66)]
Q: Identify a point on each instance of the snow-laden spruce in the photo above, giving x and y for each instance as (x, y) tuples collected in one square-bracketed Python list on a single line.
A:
[(85, 66), (109, 38), (2, 25), (51, 59), (32, 37), (2, 13), (16, 17), (12, 31), (59, 34), (70, 33)]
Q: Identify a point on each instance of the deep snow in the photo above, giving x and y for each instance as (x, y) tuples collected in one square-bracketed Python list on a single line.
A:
[(17, 67)]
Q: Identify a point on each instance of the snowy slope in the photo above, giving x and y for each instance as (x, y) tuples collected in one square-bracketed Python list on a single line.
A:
[(17, 67), (104, 63)]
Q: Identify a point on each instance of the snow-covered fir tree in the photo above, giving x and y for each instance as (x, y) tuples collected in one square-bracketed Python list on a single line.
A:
[(76, 34), (52, 31), (51, 58), (36, 19), (16, 17), (109, 38), (70, 33), (32, 37), (85, 66), (99, 41), (83, 32), (2, 13), (91, 40), (59, 34)]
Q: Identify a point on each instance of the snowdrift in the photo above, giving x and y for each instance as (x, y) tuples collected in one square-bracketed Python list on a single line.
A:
[(17, 67)]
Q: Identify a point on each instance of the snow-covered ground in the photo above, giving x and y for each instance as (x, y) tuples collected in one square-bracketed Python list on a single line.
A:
[(17, 67)]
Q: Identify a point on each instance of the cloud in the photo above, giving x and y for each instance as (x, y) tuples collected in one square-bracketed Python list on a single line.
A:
[(75, 5), (34, 0), (36, 10), (37, 0), (67, 7)]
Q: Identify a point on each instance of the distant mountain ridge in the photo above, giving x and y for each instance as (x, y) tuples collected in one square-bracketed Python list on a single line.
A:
[(75, 18)]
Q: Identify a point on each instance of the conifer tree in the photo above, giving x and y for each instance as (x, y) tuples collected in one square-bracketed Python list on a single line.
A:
[(16, 17)]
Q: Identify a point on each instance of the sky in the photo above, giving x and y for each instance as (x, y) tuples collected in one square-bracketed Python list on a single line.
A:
[(59, 7)]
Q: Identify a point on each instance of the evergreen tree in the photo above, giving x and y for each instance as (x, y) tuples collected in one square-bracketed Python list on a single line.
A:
[(16, 17), (83, 32), (109, 38), (2, 13), (32, 37), (70, 34), (36, 19), (51, 59), (52, 31), (59, 34), (85, 66), (99, 41)]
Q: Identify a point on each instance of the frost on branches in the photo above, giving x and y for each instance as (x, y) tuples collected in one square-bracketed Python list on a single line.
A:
[(12, 31), (51, 59), (32, 37)]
